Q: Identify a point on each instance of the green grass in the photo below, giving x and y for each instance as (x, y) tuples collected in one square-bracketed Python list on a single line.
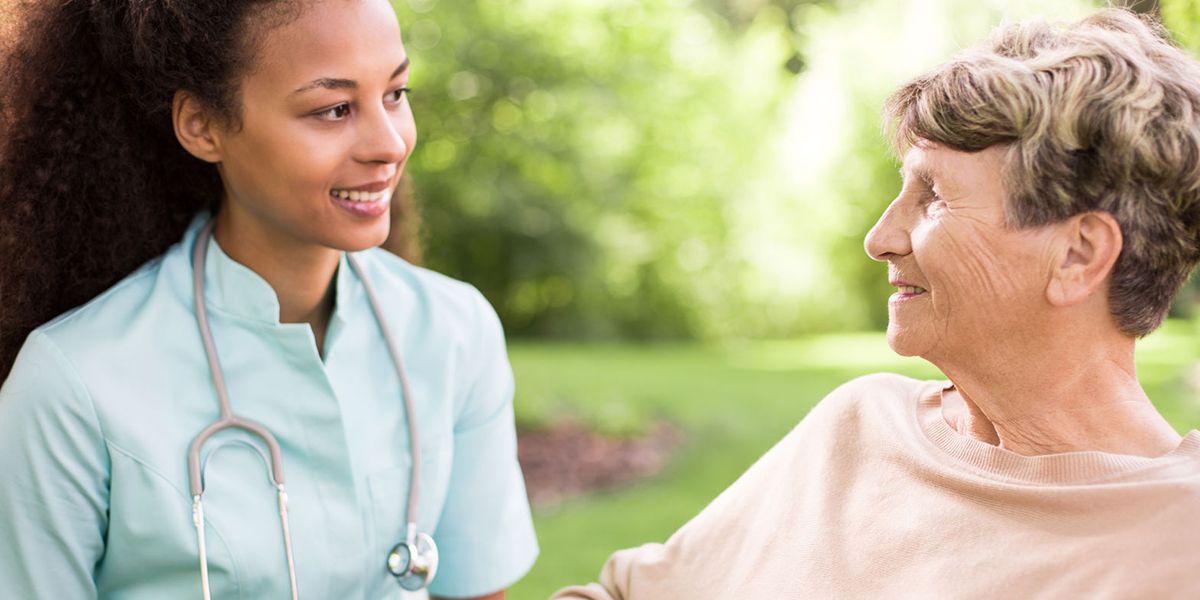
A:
[(733, 402)]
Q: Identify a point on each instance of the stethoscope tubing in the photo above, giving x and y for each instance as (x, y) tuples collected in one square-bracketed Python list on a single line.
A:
[(227, 419), (414, 448)]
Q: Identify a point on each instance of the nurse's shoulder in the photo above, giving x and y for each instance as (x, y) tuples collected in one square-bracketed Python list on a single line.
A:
[(452, 319), (124, 328), (55, 426), (451, 307), (120, 359)]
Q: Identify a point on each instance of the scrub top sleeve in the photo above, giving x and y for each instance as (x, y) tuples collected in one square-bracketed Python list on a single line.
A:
[(485, 532), (54, 472)]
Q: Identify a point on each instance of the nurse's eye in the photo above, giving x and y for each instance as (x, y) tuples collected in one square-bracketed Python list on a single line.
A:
[(397, 94), (334, 113)]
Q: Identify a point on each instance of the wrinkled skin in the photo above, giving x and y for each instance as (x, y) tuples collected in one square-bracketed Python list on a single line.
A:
[(1017, 319), (946, 232)]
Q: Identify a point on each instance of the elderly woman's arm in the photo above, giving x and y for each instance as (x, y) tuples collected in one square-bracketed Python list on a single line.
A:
[(648, 571), (716, 547), (624, 576), (726, 543)]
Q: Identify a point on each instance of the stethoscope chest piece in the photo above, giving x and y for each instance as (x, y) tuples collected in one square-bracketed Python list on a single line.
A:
[(414, 562)]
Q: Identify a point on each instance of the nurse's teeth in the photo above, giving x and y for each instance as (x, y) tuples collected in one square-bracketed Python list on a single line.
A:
[(359, 196)]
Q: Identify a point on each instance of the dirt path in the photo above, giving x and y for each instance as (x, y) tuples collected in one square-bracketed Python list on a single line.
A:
[(568, 460)]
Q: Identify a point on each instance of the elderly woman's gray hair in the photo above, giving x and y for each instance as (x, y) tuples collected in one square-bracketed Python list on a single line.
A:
[(1103, 114)]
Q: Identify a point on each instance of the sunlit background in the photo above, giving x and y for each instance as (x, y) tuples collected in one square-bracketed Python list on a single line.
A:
[(665, 201)]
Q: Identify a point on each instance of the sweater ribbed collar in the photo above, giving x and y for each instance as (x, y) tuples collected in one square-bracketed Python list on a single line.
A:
[(1068, 468)]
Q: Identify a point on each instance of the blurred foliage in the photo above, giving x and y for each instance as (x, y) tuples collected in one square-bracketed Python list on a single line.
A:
[(1182, 17), (656, 169), (576, 158)]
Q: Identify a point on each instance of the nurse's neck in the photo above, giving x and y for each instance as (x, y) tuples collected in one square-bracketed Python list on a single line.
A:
[(302, 275)]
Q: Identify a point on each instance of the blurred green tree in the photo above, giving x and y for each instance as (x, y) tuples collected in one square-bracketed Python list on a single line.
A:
[(1182, 17), (579, 160)]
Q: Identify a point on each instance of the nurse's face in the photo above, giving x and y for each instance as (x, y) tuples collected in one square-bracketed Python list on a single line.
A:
[(325, 130)]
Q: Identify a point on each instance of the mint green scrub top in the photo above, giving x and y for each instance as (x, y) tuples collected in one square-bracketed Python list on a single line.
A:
[(102, 403)]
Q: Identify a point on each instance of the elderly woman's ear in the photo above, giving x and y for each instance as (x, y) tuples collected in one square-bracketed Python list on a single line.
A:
[(1088, 247)]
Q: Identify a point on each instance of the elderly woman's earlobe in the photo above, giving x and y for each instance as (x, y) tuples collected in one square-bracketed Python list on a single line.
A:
[(1089, 245)]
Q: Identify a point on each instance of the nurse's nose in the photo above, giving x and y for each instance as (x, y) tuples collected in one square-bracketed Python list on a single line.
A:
[(381, 136), (891, 235)]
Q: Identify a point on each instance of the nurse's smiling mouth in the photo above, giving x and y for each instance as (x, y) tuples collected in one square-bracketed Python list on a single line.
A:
[(369, 201)]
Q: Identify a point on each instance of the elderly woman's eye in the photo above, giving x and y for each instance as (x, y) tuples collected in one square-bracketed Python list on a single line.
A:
[(931, 201)]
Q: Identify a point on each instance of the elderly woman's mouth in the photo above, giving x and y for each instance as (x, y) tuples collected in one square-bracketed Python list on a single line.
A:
[(904, 292)]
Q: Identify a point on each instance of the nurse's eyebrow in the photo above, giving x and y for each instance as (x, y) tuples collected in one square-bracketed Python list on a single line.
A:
[(333, 83)]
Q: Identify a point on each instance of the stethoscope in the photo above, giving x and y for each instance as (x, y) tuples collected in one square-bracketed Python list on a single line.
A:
[(414, 561)]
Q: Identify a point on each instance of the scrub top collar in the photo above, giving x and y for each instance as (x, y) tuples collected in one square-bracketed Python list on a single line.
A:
[(234, 289)]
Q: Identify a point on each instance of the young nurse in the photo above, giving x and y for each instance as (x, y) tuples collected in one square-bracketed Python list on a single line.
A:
[(223, 389)]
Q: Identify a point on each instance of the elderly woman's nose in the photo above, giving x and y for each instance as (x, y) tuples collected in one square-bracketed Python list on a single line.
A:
[(889, 237)]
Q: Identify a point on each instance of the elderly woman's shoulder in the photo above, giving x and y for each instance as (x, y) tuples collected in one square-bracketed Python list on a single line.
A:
[(879, 392), (881, 386)]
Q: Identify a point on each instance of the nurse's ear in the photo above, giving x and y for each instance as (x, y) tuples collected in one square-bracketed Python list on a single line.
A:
[(195, 127)]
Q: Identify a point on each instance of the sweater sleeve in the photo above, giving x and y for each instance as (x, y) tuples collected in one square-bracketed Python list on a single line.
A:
[(724, 544), (724, 538), (618, 578), (53, 479)]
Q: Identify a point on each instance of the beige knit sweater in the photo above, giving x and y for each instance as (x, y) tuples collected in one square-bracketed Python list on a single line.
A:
[(873, 495)]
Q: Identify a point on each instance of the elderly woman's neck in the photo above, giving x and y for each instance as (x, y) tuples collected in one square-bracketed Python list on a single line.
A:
[(1060, 396)]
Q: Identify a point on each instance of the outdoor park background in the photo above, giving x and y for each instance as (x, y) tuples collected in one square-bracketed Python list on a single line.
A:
[(665, 201)]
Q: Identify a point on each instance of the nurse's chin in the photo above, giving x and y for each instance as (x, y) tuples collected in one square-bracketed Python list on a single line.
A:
[(360, 237)]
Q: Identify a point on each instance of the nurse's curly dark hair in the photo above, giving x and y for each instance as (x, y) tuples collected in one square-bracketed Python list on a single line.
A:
[(93, 182)]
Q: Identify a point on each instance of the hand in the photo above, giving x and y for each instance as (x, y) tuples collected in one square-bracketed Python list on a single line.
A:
[(493, 596)]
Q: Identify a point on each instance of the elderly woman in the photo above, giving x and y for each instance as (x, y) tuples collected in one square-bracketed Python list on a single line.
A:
[(1049, 214)]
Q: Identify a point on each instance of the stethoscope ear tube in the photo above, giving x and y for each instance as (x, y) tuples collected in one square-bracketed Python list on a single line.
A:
[(195, 470), (227, 420)]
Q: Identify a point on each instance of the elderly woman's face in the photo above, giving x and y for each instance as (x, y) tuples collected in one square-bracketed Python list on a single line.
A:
[(965, 280)]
